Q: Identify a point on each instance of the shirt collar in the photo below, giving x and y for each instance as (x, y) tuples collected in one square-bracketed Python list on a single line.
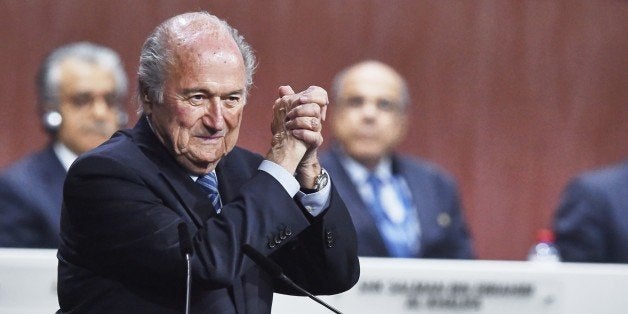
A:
[(359, 174), (194, 178), (64, 154)]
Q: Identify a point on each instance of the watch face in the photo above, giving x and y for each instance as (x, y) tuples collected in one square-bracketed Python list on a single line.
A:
[(321, 180)]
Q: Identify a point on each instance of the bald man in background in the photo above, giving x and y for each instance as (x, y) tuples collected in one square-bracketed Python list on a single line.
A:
[(80, 89), (401, 206)]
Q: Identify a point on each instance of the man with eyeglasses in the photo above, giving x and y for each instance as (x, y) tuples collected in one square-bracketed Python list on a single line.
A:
[(400, 206), (81, 87)]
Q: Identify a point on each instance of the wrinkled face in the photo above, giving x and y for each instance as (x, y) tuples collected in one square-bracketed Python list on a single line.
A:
[(204, 96), (88, 105), (368, 120)]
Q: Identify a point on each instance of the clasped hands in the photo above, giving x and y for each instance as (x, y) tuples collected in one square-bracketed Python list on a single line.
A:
[(296, 127)]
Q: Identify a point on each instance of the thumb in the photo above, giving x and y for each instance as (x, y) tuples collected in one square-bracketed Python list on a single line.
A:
[(285, 90)]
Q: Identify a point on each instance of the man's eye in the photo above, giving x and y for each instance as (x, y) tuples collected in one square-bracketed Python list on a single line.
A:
[(82, 100), (112, 100), (355, 101), (386, 105), (197, 100), (232, 101)]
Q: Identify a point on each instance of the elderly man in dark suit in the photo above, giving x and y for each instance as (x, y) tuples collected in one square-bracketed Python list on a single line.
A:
[(401, 206), (81, 87), (125, 200), (591, 223)]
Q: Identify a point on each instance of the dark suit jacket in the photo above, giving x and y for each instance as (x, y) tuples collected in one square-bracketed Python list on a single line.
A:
[(434, 194), (120, 249), (591, 223), (30, 201)]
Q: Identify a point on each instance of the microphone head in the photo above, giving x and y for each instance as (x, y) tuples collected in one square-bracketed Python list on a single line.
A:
[(185, 241), (266, 263)]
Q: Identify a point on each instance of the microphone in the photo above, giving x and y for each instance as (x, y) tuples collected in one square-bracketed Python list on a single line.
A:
[(185, 245), (275, 270)]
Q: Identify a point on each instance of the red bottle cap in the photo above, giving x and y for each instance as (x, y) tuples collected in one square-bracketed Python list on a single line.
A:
[(545, 235)]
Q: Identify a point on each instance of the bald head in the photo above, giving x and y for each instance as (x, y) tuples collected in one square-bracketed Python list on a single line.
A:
[(376, 72)]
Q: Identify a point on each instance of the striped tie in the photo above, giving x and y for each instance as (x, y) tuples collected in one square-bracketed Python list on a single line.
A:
[(209, 183)]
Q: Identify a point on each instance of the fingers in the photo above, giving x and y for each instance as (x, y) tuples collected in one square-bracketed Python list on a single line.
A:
[(305, 110), (311, 139), (300, 114), (285, 90), (313, 95), (316, 95)]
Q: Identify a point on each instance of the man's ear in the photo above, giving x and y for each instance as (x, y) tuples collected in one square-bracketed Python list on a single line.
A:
[(146, 103)]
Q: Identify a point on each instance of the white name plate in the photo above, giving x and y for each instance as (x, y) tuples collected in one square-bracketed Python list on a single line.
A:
[(389, 286), (398, 286)]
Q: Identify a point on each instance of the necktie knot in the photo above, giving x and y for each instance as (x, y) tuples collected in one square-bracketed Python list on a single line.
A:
[(209, 184)]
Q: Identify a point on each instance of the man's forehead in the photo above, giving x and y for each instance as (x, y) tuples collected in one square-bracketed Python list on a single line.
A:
[(371, 86), (207, 44), (203, 30)]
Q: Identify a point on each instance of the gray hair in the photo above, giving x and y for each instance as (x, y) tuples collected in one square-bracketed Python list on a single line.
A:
[(339, 79), (49, 76), (158, 53)]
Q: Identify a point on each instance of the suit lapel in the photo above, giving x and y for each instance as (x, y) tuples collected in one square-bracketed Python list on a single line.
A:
[(232, 172)]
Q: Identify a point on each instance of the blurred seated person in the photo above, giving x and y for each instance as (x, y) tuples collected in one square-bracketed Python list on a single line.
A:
[(80, 89), (401, 206), (591, 222)]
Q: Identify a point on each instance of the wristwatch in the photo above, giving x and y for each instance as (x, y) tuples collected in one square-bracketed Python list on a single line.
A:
[(321, 181)]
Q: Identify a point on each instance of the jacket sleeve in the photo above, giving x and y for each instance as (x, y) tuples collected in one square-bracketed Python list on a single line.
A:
[(323, 258)]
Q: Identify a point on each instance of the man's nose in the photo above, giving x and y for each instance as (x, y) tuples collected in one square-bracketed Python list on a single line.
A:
[(212, 116), (369, 109), (100, 107)]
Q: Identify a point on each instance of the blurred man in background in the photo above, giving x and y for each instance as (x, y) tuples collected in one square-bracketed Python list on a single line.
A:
[(591, 223), (401, 206), (80, 87)]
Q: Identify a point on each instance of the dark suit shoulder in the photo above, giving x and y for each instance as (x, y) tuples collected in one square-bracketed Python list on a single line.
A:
[(34, 164), (30, 200), (120, 154), (408, 165), (605, 179)]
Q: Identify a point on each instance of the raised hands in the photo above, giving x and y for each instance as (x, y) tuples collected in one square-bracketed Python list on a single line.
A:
[(296, 127)]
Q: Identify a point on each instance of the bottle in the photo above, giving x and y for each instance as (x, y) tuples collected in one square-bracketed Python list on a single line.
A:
[(544, 250)]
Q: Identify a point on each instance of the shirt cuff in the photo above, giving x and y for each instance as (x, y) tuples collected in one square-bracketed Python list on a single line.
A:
[(315, 203), (285, 178)]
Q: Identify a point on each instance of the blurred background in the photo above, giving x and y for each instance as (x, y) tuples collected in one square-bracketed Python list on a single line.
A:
[(512, 97)]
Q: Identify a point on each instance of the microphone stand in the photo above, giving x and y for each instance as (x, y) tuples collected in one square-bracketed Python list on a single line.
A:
[(188, 283), (291, 283), (275, 270), (187, 249)]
